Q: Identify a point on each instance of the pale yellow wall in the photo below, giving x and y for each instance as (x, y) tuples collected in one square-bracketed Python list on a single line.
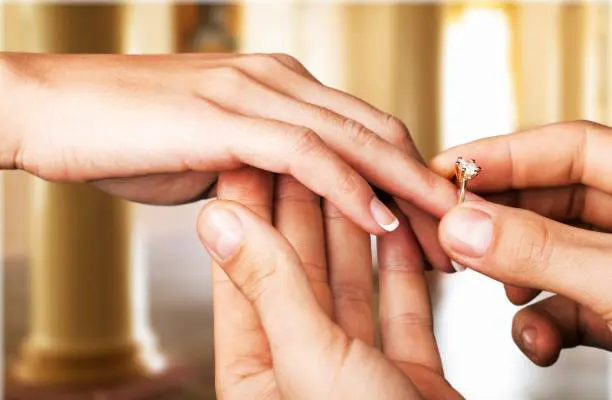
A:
[(538, 72), (607, 18), (149, 28), (1, 25), (393, 57)]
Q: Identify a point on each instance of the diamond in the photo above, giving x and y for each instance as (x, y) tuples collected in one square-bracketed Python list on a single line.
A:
[(468, 169)]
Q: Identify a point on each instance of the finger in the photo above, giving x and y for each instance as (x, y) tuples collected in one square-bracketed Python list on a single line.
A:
[(575, 152), (160, 189), (241, 347), (294, 64), (520, 295), (543, 329), (350, 267), (391, 129), (299, 152), (405, 311), (267, 271), (521, 248), (565, 203), (298, 217), (394, 132), (427, 235), (384, 125), (377, 160), (328, 104)]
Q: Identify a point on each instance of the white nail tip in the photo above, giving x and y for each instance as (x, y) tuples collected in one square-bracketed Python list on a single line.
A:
[(458, 267), (390, 227)]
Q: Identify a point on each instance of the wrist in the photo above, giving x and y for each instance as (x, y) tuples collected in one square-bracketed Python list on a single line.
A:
[(10, 138)]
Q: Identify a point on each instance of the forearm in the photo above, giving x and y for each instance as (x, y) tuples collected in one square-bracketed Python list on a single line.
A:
[(10, 140)]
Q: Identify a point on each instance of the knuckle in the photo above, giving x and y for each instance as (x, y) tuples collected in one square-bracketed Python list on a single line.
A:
[(352, 293), (231, 80), (331, 211), (288, 61), (326, 116), (397, 131), (289, 189), (265, 60), (316, 273), (348, 182), (401, 264), (268, 64), (408, 318), (307, 141), (255, 281), (362, 136), (431, 180), (530, 253)]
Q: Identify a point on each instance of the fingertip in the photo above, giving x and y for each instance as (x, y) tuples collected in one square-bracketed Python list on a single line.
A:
[(444, 163), (519, 295), (220, 230), (441, 163), (466, 231), (537, 337), (383, 216)]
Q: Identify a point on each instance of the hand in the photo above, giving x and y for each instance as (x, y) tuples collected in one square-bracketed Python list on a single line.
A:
[(292, 308), (554, 173), (157, 129)]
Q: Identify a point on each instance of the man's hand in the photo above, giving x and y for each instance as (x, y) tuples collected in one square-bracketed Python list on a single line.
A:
[(293, 305), (554, 174)]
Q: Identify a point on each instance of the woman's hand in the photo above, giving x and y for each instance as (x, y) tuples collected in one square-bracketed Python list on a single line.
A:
[(293, 306), (157, 129), (555, 173)]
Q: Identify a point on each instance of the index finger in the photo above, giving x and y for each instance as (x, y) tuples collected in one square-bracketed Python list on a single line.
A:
[(552, 155)]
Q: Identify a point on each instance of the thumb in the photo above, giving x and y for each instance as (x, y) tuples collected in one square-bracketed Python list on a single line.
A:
[(521, 248), (267, 271)]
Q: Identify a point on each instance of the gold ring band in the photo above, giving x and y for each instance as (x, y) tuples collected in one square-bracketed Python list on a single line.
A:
[(464, 171)]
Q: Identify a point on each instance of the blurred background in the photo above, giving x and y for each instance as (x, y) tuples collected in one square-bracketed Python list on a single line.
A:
[(453, 72)]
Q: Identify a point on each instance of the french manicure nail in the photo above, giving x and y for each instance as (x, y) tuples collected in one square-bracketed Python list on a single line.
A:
[(469, 231), (222, 232), (458, 267), (383, 216)]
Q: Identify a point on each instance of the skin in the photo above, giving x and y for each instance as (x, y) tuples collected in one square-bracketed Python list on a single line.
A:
[(158, 130), (539, 183), (293, 307)]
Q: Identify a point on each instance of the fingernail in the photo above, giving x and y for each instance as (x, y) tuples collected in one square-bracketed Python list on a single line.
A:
[(383, 216), (469, 231), (610, 325), (528, 339), (222, 232), (458, 267)]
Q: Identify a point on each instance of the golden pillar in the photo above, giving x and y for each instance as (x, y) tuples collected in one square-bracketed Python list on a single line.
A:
[(574, 78), (393, 60), (85, 323)]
